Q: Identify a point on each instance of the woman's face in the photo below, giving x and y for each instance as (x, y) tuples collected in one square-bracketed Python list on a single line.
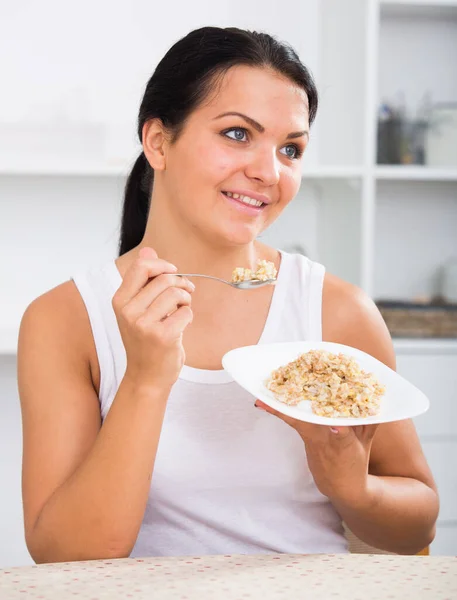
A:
[(236, 164)]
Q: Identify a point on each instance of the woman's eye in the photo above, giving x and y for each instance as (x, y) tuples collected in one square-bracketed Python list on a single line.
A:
[(237, 133), (292, 151)]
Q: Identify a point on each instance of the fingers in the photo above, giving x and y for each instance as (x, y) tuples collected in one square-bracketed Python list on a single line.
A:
[(171, 299), (147, 252), (347, 435), (144, 268), (312, 431), (177, 322), (155, 290), (341, 432), (306, 430), (152, 301), (367, 432)]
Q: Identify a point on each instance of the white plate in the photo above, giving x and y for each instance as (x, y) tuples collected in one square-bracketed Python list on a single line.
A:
[(251, 366)]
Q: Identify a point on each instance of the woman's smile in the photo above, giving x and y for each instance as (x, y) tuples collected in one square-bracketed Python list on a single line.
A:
[(249, 203)]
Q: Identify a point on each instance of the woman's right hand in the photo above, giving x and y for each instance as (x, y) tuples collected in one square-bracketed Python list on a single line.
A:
[(152, 307)]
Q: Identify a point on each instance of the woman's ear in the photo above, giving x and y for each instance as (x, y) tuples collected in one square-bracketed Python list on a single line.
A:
[(154, 143)]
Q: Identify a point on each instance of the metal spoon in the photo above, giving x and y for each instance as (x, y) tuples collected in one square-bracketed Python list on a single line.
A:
[(241, 285)]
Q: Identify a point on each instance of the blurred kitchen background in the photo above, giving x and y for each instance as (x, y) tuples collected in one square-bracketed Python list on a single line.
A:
[(377, 205)]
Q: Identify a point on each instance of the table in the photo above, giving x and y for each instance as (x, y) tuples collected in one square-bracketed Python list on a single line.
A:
[(235, 577)]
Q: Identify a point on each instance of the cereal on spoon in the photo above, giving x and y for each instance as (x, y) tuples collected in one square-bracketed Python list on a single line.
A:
[(264, 271)]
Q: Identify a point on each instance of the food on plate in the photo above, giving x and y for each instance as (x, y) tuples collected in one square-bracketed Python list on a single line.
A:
[(335, 384), (265, 269)]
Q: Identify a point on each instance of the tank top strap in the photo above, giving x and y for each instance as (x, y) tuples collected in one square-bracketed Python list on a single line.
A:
[(97, 287)]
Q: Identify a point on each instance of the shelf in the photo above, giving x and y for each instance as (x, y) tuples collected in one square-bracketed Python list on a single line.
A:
[(337, 172), (419, 8), (415, 173), (426, 3), (80, 170), (8, 340), (425, 346)]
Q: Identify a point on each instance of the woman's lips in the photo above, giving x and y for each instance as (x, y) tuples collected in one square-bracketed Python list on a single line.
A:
[(248, 209)]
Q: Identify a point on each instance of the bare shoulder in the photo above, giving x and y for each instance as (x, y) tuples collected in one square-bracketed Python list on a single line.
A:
[(349, 316), (58, 391), (57, 322)]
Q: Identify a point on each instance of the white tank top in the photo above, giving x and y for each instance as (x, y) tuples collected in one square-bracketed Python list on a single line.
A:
[(228, 477)]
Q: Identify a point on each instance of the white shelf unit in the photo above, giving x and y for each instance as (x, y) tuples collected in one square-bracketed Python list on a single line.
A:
[(422, 7), (414, 4), (413, 346), (354, 101), (344, 214), (8, 340), (414, 219), (415, 173)]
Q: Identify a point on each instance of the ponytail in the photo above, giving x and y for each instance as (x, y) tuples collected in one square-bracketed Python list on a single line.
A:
[(136, 204)]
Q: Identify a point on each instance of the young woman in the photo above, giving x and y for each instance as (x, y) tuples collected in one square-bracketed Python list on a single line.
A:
[(136, 442)]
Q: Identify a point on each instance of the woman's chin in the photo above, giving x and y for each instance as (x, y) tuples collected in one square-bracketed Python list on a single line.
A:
[(239, 236), (220, 233)]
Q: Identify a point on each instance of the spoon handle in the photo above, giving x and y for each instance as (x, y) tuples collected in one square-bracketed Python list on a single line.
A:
[(205, 276)]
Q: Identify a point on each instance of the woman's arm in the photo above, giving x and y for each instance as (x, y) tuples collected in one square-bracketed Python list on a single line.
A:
[(85, 486), (399, 508), (375, 476)]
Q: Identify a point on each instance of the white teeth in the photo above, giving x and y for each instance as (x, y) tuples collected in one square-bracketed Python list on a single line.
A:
[(244, 199), (250, 201)]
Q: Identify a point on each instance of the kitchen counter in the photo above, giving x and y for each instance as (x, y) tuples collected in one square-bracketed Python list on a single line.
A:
[(250, 577)]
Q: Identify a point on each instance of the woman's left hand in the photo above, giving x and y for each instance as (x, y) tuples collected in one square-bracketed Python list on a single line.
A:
[(338, 457)]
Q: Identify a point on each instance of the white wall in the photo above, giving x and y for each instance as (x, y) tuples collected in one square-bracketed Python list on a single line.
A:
[(78, 70), (62, 222)]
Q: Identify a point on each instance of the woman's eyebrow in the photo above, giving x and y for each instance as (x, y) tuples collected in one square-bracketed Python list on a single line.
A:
[(258, 126)]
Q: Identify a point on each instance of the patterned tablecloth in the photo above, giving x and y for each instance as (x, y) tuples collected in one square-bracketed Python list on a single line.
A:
[(279, 576)]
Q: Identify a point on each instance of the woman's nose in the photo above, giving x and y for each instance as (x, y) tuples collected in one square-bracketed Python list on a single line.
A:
[(264, 166)]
